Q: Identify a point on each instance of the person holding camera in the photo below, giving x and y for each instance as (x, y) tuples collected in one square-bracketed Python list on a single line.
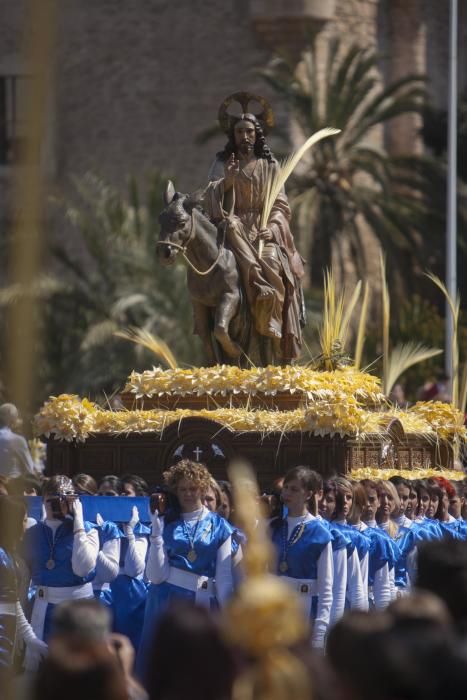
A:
[(61, 552), (190, 553)]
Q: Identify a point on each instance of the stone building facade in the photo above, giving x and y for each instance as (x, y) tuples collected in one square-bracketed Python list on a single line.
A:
[(135, 82)]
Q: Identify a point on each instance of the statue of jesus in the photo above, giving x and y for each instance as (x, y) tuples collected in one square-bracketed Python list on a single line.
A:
[(235, 195)]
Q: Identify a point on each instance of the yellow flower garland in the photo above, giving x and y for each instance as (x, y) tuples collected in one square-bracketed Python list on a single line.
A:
[(67, 417), (225, 379)]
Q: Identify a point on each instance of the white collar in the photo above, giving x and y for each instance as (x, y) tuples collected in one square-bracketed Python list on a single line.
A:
[(198, 514)]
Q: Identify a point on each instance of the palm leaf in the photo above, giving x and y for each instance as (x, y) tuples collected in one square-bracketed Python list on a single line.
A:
[(402, 357), (143, 337), (344, 329), (386, 309), (362, 326), (454, 306), (463, 390), (278, 178)]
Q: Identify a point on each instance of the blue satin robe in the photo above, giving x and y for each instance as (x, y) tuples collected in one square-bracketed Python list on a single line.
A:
[(128, 595), (37, 551), (303, 555), (107, 531), (212, 532)]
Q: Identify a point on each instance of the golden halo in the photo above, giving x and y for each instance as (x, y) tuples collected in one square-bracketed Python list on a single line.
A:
[(226, 120)]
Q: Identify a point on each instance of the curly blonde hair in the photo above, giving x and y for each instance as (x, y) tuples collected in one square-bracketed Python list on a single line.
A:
[(187, 469)]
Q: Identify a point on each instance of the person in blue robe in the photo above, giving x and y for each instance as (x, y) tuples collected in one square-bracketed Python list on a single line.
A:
[(128, 591), (108, 560), (61, 553), (335, 507), (304, 549), (190, 553), (380, 553)]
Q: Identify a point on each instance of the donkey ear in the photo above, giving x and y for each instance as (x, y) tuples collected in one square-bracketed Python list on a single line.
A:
[(169, 193)]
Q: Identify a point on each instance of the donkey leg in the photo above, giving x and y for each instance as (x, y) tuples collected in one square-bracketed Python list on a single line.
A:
[(203, 327), (225, 311)]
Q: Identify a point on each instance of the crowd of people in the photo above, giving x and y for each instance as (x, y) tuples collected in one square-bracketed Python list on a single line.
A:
[(344, 547)]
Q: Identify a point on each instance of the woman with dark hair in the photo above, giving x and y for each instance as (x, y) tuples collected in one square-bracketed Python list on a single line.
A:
[(134, 485), (425, 527), (110, 485), (13, 622), (186, 638), (213, 498), (61, 552), (83, 674), (337, 501), (340, 545), (404, 490), (304, 548), (446, 492), (190, 554), (226, 508), (375, 570)]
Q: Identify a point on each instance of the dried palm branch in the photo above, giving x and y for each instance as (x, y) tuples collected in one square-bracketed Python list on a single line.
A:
[(463, 390), (402, 357), (344, 330), (141, 336), (265, 618), (336, 319), (278, 178), (386, 311), (454, 306), (359, 343)]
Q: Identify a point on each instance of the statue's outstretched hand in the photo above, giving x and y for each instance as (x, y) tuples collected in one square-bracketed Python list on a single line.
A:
[(231, 170)]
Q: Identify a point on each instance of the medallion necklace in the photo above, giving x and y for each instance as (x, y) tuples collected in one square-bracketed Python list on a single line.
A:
[(52, 543), (295, 535), (190, 534)]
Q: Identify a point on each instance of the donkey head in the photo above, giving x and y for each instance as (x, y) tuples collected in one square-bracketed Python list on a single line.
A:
[(176, 222)]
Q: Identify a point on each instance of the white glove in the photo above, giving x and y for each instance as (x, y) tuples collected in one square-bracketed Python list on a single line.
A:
[(131, 524), (26, 632), (156, 522), (77, 511), (37, 645), (99, 519)]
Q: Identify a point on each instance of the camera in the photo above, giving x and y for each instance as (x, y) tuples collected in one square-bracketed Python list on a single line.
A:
[(158, 501), (56, 505)]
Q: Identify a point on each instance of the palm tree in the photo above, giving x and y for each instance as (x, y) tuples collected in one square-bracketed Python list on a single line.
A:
[(112, 282), (352, 187)]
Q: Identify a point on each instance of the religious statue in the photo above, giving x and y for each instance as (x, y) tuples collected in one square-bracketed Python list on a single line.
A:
[(270, 266), (244, 278)]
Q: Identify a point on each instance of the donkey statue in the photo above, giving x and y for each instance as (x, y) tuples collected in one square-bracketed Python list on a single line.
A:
[(221, 315)]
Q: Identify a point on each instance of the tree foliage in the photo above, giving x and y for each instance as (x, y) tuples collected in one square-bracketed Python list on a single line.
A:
[(107, 277), (349, 179)]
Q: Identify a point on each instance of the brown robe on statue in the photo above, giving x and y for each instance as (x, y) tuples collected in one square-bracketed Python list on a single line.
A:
[(279, 315)]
